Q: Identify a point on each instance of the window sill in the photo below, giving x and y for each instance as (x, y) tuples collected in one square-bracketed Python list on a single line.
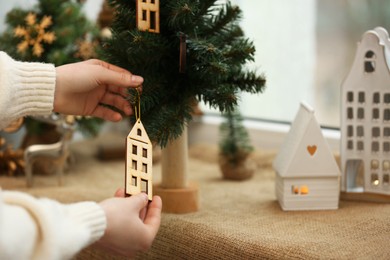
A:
[(263, 134)]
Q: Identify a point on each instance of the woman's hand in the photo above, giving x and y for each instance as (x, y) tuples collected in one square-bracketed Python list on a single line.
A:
[(132, 223), (82, 88)]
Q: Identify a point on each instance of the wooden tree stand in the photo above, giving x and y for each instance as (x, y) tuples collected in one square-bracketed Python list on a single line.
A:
[(178, 196)]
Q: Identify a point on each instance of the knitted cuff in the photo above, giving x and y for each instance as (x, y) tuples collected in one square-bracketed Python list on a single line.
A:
[(91, 216), (32, 86)]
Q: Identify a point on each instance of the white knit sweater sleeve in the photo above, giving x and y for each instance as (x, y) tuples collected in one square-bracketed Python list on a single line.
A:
[(32, 228), (26, 88)]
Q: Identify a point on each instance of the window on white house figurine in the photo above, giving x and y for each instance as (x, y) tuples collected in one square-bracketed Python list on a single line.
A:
[(387, 98), (386, 132), (350, 131), (386, 147), (302, 190), (386, 165), (360, 145), (376, 98), (360, 113), (374, 164), (386, 179), (360, 131), (350, 145), (134, 149), (375, 147), (369, 64), (376, 132), (374, 179), (350, 96), (350, 113), (139, 132), (386, 116), (375, 114), (362, 97)]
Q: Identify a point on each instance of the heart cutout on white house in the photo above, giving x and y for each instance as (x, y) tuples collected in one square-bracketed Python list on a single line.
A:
[(312, 149)]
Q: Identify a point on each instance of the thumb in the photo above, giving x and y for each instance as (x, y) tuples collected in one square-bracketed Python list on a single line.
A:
[(120, 193), (140, 200)]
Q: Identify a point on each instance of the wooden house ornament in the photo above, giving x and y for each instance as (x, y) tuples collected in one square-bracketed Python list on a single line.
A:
[(365, 121), (307, 175), (138, 162), (148, 15)]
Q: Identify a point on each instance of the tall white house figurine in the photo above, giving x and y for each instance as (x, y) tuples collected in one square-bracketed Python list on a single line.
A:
[(307, 175), (138, 162), (365, 121)]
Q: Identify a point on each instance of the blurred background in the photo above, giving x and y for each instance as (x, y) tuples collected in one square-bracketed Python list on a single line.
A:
[(304, 47)]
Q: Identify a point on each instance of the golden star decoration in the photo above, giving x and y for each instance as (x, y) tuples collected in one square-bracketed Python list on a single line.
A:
[(86, 49), (34, 34)]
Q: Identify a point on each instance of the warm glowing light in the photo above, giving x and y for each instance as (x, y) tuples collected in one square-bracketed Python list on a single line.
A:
[(304, 190)]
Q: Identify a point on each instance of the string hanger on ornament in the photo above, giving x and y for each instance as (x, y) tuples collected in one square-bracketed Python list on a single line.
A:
[(137, 106)]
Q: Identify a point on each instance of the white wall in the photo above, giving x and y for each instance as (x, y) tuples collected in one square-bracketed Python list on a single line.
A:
[(285, 39)]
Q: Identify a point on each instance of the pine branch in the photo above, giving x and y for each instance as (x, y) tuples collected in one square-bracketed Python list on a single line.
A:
[(247, 82), (226, 16), (240, 52), (182, 13), (216, 53)]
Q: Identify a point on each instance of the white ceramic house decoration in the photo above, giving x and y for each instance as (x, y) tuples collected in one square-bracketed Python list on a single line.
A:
[(139, 162), (307, 175), (365, 121)]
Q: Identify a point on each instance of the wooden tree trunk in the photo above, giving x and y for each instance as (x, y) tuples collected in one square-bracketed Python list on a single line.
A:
[(177, 193), (174, 161)]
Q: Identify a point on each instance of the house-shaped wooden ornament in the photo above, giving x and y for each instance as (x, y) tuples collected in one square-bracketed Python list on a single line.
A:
[(365, 121), (148, 15), (138, 162), (307, 175)]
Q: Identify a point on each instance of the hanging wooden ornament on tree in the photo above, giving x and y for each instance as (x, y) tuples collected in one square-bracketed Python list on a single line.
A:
[(183, 53), (139, 155), (148, 15)]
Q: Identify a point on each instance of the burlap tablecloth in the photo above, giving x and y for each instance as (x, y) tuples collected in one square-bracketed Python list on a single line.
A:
[(236, 220)]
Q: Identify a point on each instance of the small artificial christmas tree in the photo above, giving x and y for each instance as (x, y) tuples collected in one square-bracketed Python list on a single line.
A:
[(234, 139), (187, 50), (199, 53), (234, 148), (53, 31)]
